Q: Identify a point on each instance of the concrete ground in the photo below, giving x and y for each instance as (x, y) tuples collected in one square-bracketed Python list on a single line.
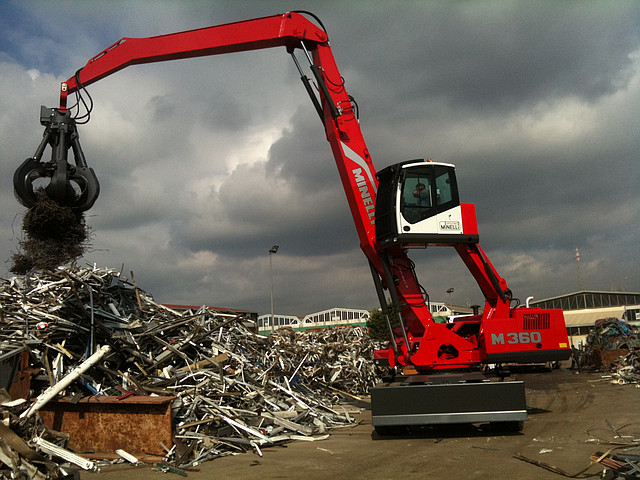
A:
[(571, 416)]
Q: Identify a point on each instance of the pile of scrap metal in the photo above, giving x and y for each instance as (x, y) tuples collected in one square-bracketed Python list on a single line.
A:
[(610, 340), (74, 339)]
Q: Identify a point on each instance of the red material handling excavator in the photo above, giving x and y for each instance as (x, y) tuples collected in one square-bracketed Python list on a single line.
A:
[(407, 205)]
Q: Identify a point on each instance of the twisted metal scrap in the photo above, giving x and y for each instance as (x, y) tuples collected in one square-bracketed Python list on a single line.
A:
[(236, 390), (627, 369)]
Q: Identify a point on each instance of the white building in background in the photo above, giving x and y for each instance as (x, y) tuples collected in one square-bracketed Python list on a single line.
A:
[(333, 317), (265, 325), (336, 317)]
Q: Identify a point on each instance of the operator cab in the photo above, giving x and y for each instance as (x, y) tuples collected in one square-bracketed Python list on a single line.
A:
[(417, 204)]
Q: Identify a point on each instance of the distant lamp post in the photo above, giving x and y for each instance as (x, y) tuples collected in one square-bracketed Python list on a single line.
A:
[(450, 291), (272, 251)]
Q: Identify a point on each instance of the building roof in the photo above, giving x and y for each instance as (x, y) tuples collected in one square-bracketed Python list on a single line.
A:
[(589, 299)]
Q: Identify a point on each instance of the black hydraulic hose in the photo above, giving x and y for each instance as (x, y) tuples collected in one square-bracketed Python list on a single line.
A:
[(312, 15)]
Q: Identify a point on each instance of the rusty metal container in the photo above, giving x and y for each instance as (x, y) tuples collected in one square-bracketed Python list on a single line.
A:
[(99, 425)]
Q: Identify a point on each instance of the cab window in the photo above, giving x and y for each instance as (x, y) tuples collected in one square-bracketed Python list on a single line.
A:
[(446, 190), (417, 195), (443, 188)]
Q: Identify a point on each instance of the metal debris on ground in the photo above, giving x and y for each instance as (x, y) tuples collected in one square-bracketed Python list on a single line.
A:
[(620, 461), (614, 465), (627, 369), (90, 332)]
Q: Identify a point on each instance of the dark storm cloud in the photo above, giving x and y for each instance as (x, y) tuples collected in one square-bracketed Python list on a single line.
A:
[(303, 155), (493, 55), (255, 205)]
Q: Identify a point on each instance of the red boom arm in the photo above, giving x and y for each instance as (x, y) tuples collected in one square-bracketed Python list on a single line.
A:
[(290, 30)]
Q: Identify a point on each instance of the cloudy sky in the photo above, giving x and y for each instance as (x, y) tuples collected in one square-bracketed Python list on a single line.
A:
[(206, 163)]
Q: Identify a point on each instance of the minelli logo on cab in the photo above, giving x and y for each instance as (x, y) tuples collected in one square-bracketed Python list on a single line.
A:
[(450, 226)]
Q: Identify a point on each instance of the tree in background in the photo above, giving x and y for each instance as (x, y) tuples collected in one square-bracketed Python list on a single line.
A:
[(377, 324)]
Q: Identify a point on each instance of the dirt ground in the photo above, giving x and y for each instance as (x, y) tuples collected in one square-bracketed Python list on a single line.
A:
[(569, 417)]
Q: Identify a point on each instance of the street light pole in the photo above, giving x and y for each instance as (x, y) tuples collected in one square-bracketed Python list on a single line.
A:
[(272, 251)]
